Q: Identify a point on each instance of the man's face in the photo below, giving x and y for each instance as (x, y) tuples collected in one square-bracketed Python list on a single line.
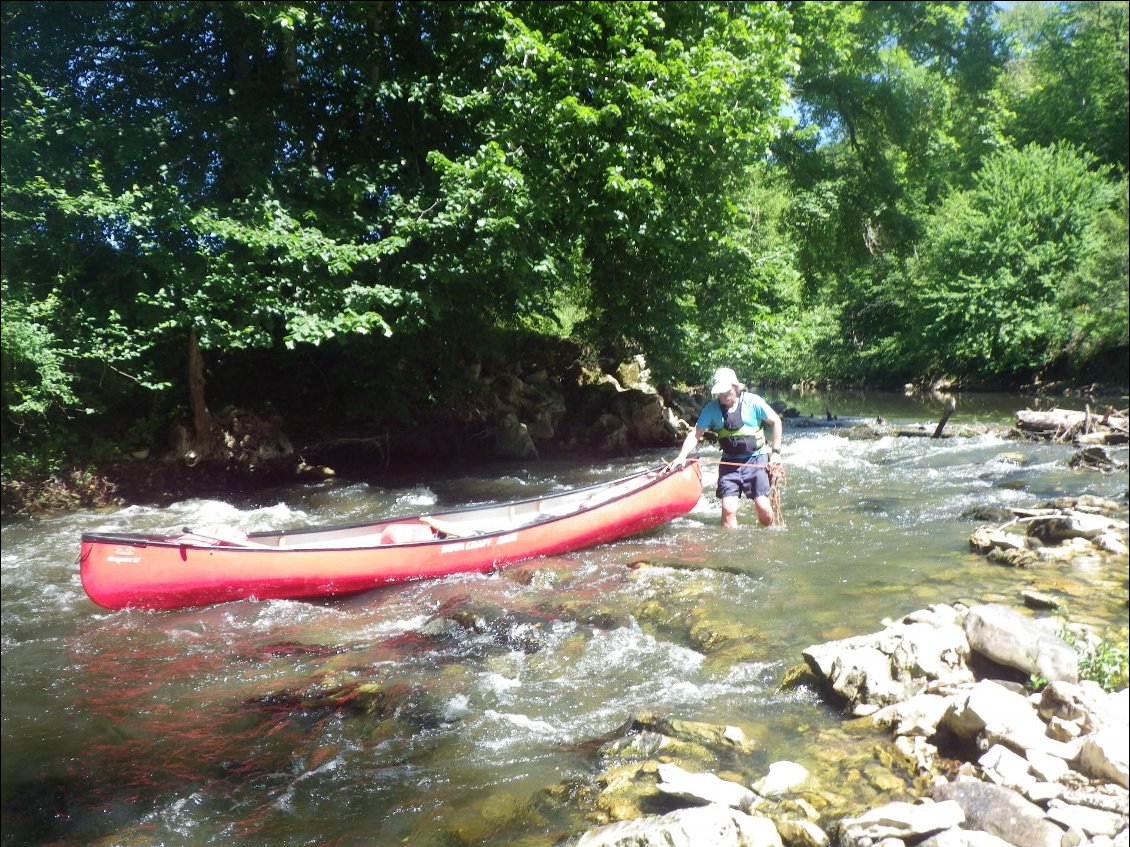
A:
[(727, 400)]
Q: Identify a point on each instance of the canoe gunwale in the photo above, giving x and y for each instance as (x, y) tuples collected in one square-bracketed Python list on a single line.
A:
[(155, 540)]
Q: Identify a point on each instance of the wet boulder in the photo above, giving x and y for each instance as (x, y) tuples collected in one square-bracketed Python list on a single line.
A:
[(715, 736), (639, 746), (409, 704), (1053, 529), (1094, 458), (1086, 503), (462, 616)]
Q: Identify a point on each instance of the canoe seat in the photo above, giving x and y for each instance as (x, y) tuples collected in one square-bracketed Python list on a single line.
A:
[(406, 533)]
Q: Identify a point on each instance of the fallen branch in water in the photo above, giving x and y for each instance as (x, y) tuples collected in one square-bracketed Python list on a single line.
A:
[(1084, 427)]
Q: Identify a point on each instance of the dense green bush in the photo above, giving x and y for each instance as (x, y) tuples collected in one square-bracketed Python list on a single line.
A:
[(996, 288)]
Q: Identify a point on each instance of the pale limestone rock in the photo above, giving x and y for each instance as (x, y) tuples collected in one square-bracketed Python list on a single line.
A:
[(993, 713), (783, 777), (1045, 766), (1111, 542), (1103, 755), (890, 666), (901, 820), (963, 838), (917, 752), (704, 826), (1065, 731), (1091, 821), (1086, 704), (703, 788), (1006, 768), (1061, 527), (919, 715), (799, 833), (1041, 793), (1002, 812), (1010, 639)]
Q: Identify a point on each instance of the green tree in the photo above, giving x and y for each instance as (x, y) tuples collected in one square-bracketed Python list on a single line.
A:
[(150, 190), (190, 181), (613, 142), (896, 105), (997, 285), (1067, 76)]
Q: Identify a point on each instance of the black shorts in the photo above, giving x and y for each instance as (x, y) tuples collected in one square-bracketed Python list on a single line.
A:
[(743, 476)]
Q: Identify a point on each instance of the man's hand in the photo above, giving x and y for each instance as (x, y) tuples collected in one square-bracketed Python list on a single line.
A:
[(677, 463)]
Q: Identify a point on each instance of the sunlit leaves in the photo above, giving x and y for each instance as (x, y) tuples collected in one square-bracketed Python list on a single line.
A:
[(988, 284), (1067, 79)]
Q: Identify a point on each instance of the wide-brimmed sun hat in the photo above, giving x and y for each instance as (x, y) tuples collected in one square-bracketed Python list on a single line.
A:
[(724, 380)]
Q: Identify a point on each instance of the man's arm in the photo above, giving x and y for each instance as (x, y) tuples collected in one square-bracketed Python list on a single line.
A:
[(689, 443), (776, 432)]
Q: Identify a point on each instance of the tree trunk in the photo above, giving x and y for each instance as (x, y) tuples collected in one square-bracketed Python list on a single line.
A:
[(1081, 427), (201, 417), (1064, 419), (951, 407)]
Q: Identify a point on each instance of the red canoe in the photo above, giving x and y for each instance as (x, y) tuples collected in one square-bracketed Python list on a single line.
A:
[(194, 569)]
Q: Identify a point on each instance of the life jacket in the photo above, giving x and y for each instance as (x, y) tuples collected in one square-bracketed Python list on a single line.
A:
[(737, 438)]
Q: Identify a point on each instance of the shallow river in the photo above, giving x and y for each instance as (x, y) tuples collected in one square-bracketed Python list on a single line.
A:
[(180, 728)]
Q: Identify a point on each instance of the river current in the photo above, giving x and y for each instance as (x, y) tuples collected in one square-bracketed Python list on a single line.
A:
[(220, 725)]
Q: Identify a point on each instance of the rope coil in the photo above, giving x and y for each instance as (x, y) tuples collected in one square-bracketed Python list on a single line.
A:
[(777, 480)]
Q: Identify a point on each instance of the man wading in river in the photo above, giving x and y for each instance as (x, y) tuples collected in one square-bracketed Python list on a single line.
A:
[(739, 417)]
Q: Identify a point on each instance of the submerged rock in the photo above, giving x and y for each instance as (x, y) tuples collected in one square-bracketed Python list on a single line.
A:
[(411, 704), (512, 630), (716, 736)]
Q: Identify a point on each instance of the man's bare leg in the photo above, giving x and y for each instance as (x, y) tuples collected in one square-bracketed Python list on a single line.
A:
[(730, 512), (764, 510)]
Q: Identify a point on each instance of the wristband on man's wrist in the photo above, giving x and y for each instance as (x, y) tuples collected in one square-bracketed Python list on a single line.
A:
[(775, 450)]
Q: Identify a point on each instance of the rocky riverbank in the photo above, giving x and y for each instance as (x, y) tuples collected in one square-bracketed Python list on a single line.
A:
[(997, 737), (549, 403)]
